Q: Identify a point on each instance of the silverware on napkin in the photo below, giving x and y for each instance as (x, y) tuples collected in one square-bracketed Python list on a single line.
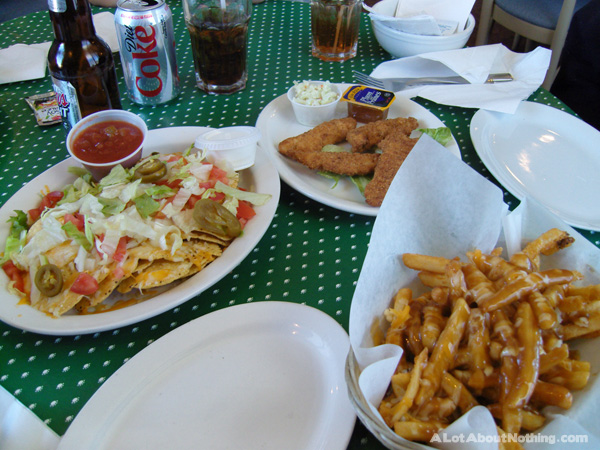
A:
[(398, 84)]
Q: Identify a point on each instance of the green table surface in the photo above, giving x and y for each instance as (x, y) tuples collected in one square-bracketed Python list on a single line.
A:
[(311, 253)]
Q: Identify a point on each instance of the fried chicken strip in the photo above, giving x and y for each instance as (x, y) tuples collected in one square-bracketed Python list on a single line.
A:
[(342, 163), (331, 132), (396, 148), (370, 134)]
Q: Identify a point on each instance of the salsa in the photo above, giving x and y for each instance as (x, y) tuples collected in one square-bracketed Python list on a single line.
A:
[(106, 142)]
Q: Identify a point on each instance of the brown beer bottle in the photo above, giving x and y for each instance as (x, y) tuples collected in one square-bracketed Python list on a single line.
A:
[(80, 63)]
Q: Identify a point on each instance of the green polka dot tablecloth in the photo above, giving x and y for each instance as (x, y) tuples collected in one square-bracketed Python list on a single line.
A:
[(311, 253)]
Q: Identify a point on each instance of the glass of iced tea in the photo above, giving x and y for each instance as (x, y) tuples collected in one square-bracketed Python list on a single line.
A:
[(219, 36), (334, 26)]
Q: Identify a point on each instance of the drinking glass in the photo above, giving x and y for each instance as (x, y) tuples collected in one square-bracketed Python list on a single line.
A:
[(334, 27), (219, 36)]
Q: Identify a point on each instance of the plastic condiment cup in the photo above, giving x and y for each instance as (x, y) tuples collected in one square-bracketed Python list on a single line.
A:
[(313, 115), (236, 145), (99, 170)]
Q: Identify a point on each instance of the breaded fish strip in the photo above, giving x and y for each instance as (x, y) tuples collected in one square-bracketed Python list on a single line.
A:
[(342, 163), (396, 148), (331, 132), (370, 134)]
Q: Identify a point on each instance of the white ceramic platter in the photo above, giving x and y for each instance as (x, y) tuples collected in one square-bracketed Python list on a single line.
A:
[(262, 177), (277, 122), (545, 154), (266, 375)]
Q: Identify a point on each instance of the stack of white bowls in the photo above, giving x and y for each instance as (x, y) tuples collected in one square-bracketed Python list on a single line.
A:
[(399, 43)]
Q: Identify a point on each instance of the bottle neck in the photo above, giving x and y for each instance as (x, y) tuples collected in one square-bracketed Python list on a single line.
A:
[(71, 19)]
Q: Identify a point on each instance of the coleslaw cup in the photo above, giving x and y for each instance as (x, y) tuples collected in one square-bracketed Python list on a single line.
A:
[(313, 115)]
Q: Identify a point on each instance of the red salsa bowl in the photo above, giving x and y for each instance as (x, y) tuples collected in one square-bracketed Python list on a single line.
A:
[(104, 139)]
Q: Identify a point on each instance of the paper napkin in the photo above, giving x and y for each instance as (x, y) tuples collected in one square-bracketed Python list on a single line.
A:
[(459, 212), (474, 64), (426, 17), (21, 62)]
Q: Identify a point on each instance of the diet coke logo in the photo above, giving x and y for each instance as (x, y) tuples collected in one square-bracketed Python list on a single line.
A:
[(141, 42)]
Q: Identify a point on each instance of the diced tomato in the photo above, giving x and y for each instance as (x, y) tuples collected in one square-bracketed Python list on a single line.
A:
[(207, 184), (245, 210), (218, 174), (84, 284), (192, 201), (77, 219), (52, 198), (174, 158), (217, 197), (118, 272), (121, 250), (15, 274), (49, 201), (175, 184)]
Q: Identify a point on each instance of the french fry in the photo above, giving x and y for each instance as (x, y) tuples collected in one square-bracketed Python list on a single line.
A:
[(442, 354), (509, 350), (425, 263), (552, 394), (417, 430), (528, 335), (546, 315), (433, 323), (458, 393), (412, 388), (478, 345)]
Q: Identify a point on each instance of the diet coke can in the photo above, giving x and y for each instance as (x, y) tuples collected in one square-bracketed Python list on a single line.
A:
[(147, 47)]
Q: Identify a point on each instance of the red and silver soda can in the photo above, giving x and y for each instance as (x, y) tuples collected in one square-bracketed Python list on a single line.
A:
[(147, 47)]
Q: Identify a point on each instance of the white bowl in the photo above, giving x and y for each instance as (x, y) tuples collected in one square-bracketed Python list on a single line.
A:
[(310, 115), (399, 44), (236, 145), (99, 170)]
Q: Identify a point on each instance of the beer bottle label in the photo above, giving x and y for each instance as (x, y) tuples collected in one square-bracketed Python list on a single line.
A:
[(68, 105), (58, 6)]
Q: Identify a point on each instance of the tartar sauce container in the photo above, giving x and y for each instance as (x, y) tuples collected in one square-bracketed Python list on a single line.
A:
[(236, 145)]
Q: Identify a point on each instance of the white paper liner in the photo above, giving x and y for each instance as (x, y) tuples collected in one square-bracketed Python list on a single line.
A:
[(437, 205), (474, 64)]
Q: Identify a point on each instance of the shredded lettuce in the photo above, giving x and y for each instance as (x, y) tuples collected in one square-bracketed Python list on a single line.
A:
[(361, 181), (111, 206), (77, 235), (252, 197), (443, 135), (117, 175), (157, 192), (332, 176), (146, 205), (332, 148), (16, 238)]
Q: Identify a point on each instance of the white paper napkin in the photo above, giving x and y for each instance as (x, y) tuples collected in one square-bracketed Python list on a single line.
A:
[(459, 212), (425, 17), (474, 64), (21, 62)]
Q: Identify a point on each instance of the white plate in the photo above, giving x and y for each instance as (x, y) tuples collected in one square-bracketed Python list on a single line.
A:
[(262, 177), (546, 154), (277, 122), (266, 375)]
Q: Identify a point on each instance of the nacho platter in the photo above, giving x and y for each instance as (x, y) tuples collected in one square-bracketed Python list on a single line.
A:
[(262, 177)]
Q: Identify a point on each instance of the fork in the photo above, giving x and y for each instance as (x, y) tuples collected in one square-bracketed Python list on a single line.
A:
[(399, 84)]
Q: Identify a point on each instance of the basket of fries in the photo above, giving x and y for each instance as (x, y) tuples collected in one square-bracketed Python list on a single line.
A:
[(465, 313)]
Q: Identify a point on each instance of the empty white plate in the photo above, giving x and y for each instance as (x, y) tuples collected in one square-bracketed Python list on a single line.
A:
[(546, 154), (267, 375)]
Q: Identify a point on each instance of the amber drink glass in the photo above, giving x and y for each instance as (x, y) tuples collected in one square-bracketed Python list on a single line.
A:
[(219, 36), (334, 27)]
